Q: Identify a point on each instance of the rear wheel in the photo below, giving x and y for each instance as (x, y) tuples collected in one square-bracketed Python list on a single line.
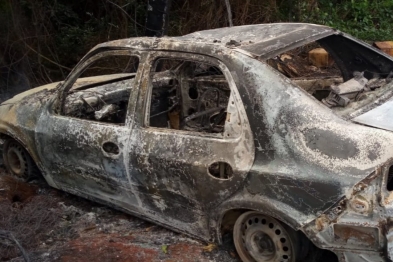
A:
[(18, 161), (258, 237)]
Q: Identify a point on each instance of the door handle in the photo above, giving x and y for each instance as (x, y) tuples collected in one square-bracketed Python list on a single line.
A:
[(111, 148)]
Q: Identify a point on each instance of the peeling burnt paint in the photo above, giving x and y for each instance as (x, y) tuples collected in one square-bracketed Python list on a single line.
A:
[(291, 157)]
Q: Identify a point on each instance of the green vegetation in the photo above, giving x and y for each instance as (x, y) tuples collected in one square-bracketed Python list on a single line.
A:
[(45, 38), (366, 19)]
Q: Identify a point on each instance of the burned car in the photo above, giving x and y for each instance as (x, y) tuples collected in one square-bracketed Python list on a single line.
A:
[(224, 130)]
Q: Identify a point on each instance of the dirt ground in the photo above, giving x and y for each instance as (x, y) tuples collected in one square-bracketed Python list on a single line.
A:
[(55, 226)]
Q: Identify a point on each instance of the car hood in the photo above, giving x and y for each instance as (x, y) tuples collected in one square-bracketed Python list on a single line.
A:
[(29, 94), (22, 96), (379, 117)]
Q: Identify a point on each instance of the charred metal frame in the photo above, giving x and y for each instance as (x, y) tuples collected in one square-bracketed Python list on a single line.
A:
[(292, 158)]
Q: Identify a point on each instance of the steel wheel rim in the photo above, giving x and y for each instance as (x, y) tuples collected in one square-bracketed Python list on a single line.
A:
[(16, 161), (262, 238)]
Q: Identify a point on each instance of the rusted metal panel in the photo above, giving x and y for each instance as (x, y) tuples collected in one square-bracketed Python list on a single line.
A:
[(356, 236)]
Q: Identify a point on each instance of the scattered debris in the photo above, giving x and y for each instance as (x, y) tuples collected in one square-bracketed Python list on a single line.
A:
[(210, 247), (341, 95), (164, 249), (386, 47), (320, 58)]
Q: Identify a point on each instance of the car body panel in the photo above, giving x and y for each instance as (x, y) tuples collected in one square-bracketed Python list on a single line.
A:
[(308, 162), (263, 40), (379, 117), (20, 114), (169, 167)]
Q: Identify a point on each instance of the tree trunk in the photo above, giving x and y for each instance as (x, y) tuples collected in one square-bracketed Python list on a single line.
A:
[(157, 17)]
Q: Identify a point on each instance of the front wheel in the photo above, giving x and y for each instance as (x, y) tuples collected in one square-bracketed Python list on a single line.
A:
[(261, 238), (18, 161)]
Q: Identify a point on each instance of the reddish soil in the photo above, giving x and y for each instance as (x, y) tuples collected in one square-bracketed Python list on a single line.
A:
[(54, 226), (112, 247)]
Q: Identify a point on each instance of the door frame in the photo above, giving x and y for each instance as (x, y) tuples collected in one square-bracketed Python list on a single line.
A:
[(242, 143)]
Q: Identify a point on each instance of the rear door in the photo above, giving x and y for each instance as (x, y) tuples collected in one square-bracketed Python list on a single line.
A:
[(191, 146)]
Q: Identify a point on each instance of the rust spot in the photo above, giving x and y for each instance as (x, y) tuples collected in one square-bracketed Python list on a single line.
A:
[(352, 234), (360, 204), (321, 222)]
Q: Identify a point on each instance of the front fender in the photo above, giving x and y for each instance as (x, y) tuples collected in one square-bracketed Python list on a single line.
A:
[(12, 127)]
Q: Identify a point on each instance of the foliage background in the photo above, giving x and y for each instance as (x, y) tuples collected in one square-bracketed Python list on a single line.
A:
[(40, 40)]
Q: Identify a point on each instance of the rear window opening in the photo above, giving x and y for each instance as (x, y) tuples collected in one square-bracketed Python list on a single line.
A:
[(308, 61), (311, 67), (343, 80)]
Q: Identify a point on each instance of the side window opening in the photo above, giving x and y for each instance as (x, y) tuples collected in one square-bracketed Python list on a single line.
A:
[(102, 91), (188, 95)]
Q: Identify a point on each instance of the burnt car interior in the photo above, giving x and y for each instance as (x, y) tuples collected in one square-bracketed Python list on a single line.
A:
[(102, 91), (350, 77), (188, 95)]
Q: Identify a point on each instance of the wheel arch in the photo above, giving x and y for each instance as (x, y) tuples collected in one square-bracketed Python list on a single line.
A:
[(6, 135), (220, 221), (307, 249)]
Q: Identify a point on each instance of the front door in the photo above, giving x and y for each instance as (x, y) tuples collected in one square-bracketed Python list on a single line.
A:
[(85, 145)]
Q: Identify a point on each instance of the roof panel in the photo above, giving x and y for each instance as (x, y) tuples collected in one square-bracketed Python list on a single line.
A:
[(262, 39)]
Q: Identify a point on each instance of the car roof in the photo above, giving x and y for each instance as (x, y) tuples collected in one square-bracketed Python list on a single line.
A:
[(263, 40)]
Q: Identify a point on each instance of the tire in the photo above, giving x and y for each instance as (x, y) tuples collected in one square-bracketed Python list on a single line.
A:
[(18, 161), (258, 237)]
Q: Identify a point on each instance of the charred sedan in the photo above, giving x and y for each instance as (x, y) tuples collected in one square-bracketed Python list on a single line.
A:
[(224, 130)]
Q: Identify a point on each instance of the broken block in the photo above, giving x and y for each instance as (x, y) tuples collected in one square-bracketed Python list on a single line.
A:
[(319, 57), (386, 47)]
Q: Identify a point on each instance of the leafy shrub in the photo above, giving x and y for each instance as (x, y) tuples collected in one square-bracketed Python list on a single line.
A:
[(366, 19)]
